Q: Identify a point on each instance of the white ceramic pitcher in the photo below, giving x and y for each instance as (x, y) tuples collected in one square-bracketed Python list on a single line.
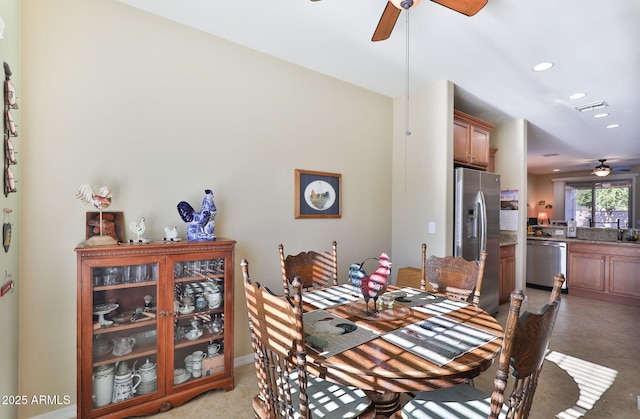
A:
[(123, 386), (103, 385)]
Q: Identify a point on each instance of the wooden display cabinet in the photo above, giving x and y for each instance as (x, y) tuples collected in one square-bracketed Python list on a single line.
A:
[(152, 292), (471, 141)]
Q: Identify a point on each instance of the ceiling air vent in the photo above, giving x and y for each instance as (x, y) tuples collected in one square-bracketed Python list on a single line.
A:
[(592, 106)]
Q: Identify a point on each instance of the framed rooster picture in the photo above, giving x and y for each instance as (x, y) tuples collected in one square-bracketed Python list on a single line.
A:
[(318, 194)]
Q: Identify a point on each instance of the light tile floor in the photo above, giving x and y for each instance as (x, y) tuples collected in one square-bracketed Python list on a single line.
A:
[(595, 372)]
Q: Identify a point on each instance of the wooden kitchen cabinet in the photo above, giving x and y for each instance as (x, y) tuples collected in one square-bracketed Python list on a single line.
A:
[(471, 141), (606, 272), (174, 300), (507, 272)]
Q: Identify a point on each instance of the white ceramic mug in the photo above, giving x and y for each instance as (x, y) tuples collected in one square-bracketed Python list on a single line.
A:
[(188, 363), (197, 364), (213, 349)]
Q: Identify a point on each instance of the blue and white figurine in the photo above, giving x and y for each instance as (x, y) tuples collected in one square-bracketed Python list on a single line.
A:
[(200, 224)]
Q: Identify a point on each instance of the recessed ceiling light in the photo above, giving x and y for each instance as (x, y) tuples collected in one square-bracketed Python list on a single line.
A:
[(577, 96), (556, 170), (613, 126), (600, 115), (542, 66)]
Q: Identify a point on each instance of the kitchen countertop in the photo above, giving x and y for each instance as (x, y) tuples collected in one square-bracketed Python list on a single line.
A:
[(508, 238), (565, 239)]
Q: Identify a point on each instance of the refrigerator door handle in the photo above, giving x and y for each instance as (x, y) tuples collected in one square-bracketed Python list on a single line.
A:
[(482, 215)]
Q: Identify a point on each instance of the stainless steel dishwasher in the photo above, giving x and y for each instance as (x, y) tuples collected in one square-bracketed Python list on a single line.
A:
[(544, 260)]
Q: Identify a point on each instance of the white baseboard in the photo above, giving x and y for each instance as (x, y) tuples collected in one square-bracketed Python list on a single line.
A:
[(243, 360), (69, 412)]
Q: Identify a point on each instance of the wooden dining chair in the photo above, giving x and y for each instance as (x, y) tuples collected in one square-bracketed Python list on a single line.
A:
[(285, 389), (315, 269), (454, 276), (525, 343)]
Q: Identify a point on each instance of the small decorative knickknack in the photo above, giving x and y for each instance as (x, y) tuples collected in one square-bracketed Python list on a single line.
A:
[(101, 200), (138, 228), (200, 224)]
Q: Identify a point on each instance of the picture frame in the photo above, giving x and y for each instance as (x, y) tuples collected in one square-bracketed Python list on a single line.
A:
[(112, 224), (318, 194)]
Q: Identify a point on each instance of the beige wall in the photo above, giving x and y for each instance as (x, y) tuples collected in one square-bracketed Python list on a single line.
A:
[(9, 53), (510, 137), (423, 175), (159, 112), (543, 191)]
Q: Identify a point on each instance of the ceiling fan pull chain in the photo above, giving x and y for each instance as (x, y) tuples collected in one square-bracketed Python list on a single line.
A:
[(407, 132)]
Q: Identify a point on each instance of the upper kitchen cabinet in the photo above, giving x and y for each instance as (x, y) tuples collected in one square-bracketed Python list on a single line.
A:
[(471, 141)]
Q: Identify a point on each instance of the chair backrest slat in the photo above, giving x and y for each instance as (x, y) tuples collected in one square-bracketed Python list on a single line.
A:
[(524, 347), (315, 269), (277, 337), (454, 276)]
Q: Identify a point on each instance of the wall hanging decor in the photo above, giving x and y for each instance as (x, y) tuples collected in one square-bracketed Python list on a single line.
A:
[(318, 194), (10, 130), (7, 284), (6, 229)]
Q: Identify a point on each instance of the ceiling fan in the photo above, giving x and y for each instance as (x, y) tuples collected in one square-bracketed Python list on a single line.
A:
[(393, 8), (604, 169)]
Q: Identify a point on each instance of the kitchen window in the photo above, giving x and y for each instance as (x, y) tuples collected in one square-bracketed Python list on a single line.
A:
[(603, 203), (599, 204)]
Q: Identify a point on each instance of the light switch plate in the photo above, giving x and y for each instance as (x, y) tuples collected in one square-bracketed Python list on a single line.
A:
[(432, 227)]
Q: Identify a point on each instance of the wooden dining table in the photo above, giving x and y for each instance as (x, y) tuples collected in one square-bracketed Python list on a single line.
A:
[(408, 346)]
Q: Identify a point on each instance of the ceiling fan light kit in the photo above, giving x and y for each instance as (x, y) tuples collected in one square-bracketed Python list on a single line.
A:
[(602, 169)]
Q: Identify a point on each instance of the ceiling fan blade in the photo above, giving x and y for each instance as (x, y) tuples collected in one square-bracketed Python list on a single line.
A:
[(466, 7), (387, 22)]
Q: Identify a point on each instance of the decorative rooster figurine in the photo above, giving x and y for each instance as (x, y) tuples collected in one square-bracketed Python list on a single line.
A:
[(171, 234), (375, 285), (101, 200), (200, 223), (138, 229)]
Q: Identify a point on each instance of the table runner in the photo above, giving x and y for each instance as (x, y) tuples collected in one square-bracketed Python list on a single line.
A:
[(329, 334), (439, 339)]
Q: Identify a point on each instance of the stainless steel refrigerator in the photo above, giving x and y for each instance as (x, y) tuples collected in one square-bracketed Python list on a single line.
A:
[(477, 227)]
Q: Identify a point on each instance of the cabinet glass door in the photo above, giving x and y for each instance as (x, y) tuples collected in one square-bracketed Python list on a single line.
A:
[(198, 300), (125, 332)]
